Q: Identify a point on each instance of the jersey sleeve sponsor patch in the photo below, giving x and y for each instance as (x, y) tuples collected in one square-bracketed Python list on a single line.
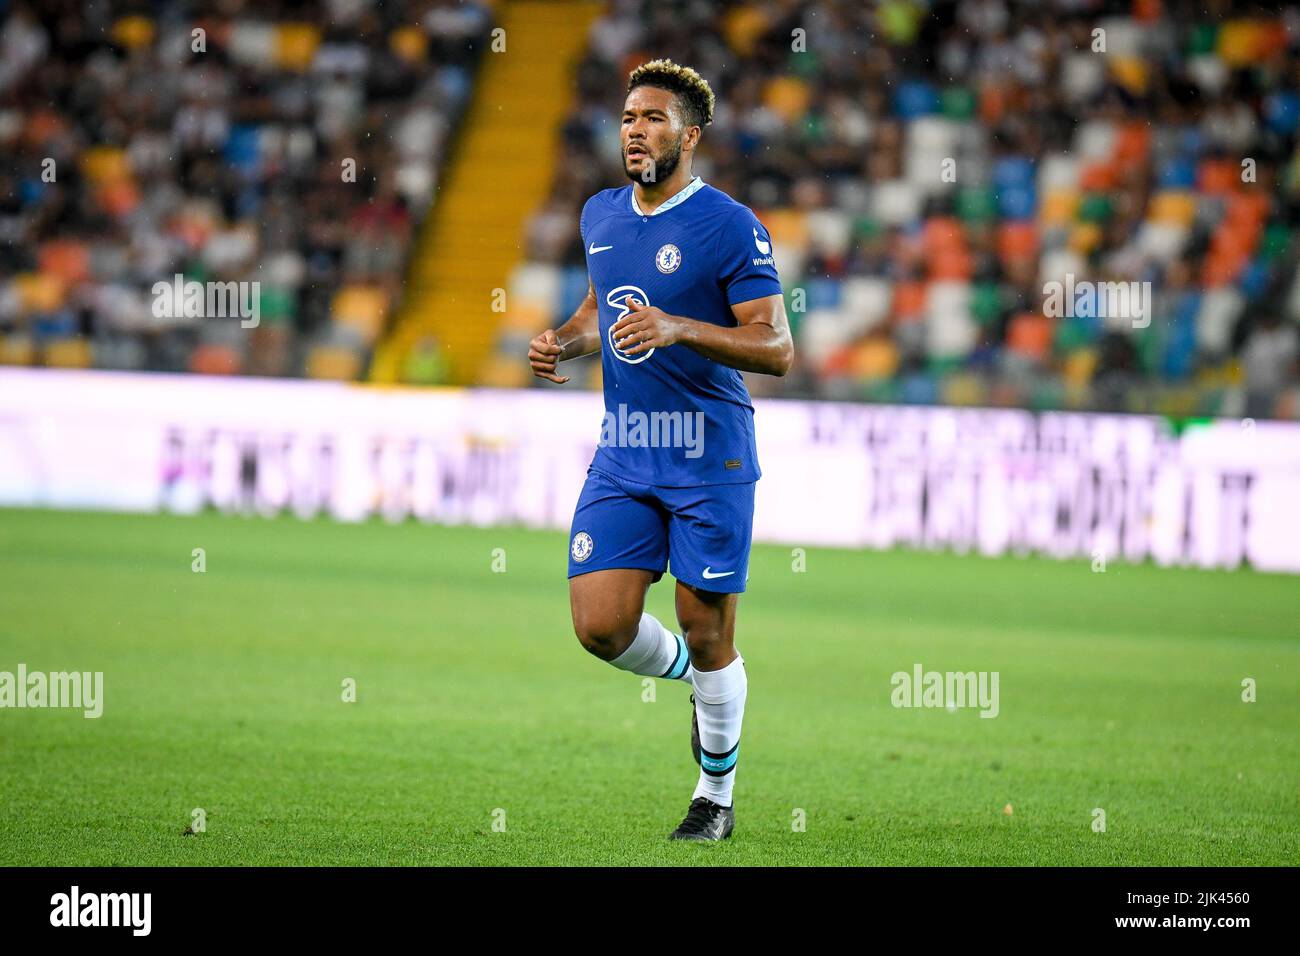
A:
[(747, 268)]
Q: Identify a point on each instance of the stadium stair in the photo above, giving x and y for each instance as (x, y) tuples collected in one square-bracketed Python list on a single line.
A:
[(499, 173)]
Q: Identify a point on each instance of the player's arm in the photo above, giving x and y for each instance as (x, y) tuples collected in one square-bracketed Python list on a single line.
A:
[(759, 342), (578, 336)]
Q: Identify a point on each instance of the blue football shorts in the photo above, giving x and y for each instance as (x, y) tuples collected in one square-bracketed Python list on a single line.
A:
[(702, 533)]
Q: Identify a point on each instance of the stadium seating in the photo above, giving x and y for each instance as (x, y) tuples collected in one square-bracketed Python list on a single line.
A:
[(264, 143), (501, 169), (920, 190), (1123, 164)]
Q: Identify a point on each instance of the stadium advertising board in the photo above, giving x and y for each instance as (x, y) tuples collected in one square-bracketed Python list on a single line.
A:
[(1216, 494)]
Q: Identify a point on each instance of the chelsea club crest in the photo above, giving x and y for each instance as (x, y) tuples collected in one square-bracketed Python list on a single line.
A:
[(582, 547), (668, 258)]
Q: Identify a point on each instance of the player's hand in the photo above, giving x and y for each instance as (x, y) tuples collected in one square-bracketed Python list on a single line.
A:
[(544, 354), (646, 327)]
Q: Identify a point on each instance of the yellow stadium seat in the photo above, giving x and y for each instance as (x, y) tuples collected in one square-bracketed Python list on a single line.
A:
[(1079, 366), (964, 389), (743, 26), (295, 45), (504, 371), (1085, 237), (69, 353), (787, 227), (104, 163), (1173, 207), (133, 32), (39, 292), (875, 358), (330, 362), (1179, 402), (1059, 207), (787, 96), (1240, 42), (526, 317), (17, 350), (409, 43), (1130, 73), (361, 308)]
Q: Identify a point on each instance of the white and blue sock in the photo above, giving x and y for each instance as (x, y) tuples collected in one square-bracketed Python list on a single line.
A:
[(656, 652), (719, 710)]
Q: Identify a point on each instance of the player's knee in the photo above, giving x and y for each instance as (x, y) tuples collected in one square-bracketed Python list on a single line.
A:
[(603, 636), (704, 639)]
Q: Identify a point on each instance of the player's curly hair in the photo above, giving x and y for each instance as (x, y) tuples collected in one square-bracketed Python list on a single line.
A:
[(691, 89)]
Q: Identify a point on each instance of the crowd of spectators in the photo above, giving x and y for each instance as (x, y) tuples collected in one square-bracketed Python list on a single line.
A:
[(927, 170), (293, 145)]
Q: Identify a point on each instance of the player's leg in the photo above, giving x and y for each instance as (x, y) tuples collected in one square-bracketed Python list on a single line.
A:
[(618, 548), (708, 619), (709, 537), (610, 621)]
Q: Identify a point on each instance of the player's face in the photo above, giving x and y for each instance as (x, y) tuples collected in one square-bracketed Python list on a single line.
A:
[(652, 134)]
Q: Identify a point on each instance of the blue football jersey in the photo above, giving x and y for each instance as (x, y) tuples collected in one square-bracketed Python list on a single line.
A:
[(673, 417)]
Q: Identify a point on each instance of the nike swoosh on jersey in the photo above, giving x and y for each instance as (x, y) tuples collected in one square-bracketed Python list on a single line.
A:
[(710, 574), (593, 249)]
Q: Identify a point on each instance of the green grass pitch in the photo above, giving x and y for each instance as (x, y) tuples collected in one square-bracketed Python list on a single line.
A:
[(223, 691)]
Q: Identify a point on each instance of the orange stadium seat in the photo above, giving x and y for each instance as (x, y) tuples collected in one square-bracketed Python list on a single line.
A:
[(1030, 335), (214, 359), (68, 260), (1017, 241)]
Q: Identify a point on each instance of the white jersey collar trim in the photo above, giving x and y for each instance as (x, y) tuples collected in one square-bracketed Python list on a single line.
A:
[(691, 189)]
